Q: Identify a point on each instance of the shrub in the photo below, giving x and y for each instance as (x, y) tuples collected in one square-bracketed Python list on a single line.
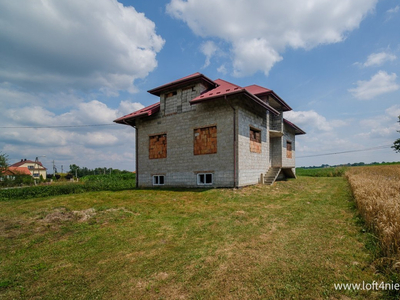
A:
[(87, 184)]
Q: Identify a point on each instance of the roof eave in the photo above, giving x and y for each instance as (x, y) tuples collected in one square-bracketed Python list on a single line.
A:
[(125, 120), (262, 103), (158, 90), (297, 130), (245, 92), (286, 107)]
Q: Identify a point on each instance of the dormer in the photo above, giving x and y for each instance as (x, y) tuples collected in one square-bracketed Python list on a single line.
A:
[(269, 97), (176, 95)]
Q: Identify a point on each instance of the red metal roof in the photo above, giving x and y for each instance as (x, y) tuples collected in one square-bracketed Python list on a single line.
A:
[(184, 80), (20, 163), (226, 88), (297, 129), (147, 111), (218, 88), (17, 171), (262, 91), (257, 90), (223, 88)]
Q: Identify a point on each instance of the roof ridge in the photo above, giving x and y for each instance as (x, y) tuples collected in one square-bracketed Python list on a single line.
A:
[(219, 79)]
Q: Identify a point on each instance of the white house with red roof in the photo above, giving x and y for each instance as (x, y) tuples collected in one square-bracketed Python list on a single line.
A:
[(29, 167), (212, 133)]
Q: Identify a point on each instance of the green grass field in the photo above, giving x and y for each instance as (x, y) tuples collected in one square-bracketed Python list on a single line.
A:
[(322, 172), (292, 240)]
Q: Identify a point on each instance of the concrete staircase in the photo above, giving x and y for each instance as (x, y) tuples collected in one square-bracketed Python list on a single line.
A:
[(271, 175)]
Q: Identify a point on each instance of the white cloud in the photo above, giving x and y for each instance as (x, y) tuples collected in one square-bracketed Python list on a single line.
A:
[(312, 121), (379, 84), (393, 111), (93, 112), (254, 55), (378, 59), (382, 127), (394, 10), (62, 44), (260, 30), (127, 107), (209, 49), (222, 69)]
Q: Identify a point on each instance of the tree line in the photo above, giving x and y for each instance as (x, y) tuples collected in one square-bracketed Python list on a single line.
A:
[(79, 172)]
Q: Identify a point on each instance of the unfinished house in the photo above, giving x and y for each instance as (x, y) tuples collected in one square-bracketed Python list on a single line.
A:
[(212, 133)]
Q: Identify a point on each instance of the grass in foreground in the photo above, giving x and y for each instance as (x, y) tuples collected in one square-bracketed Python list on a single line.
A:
[(293, 240)]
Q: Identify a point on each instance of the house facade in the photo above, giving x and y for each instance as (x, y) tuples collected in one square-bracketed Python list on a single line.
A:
[(35, 168), (212, 133), (12, 172)]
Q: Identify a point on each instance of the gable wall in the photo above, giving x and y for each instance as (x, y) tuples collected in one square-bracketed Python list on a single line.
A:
[(288, 135), (180, 167), (251, 164), (180, 102), (35, 169)]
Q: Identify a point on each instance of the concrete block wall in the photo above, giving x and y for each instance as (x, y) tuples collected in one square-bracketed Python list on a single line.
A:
[(275, 122), (181, 166), (178, 120), (288, 135), (251, 164), (180, 102), (276, 151)]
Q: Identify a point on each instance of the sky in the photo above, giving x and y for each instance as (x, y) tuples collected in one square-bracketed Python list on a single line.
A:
[(66, 64)]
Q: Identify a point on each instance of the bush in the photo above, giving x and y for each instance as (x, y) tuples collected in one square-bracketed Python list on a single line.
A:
[(88, 184)]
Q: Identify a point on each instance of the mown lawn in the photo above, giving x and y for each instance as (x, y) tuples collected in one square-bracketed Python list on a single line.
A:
[(292, 240)]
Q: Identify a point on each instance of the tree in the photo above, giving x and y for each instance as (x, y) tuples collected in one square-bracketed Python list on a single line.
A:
[(74, 169), (396, 144), (3, 163)]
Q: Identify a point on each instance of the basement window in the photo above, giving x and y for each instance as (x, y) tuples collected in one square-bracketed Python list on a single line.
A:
[(255, 140), (158, 179), (204, 179), (289, 149), (205, 140), (158, 146)]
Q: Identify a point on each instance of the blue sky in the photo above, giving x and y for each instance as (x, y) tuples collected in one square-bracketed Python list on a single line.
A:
[(68, 63)]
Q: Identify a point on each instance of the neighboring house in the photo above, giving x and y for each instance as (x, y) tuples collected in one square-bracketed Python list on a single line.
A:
[(12, 172), (35, 168), (212, 133)]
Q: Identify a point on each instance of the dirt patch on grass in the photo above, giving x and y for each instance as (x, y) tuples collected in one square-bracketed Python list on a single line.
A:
[(61, 215)]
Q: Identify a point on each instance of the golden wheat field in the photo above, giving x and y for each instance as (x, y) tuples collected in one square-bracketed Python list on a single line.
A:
[(377, 194)]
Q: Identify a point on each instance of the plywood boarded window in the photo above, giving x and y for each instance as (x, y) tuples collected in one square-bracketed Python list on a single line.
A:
[(205, 140), (158, 146), (289, 149), (255, 140)]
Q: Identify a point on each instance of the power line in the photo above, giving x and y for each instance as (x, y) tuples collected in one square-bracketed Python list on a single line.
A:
[(58, 126), (348, 151)]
